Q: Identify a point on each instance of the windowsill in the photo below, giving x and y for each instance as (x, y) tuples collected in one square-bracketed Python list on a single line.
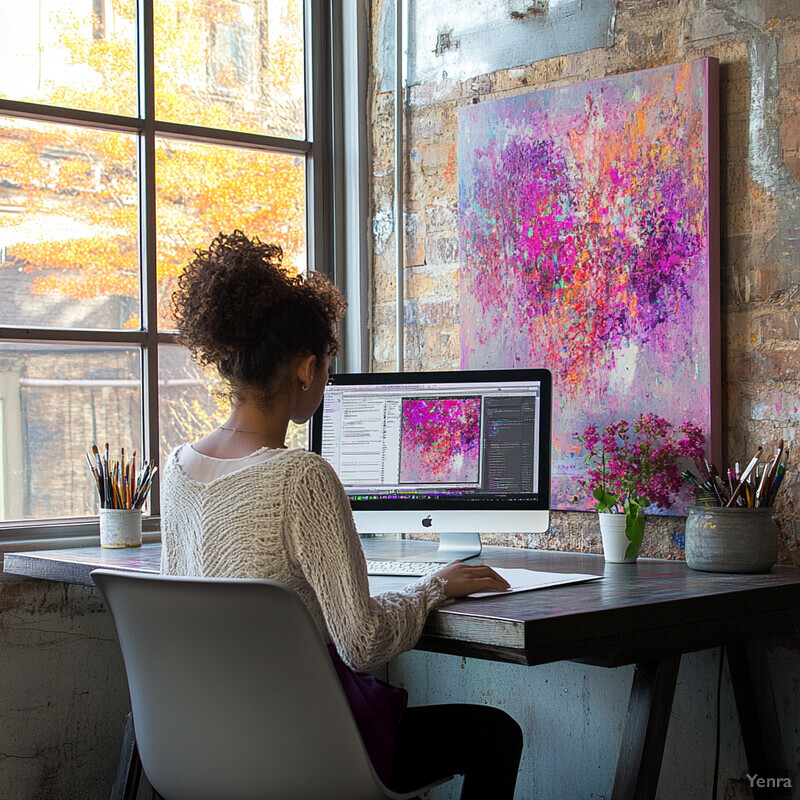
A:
[(74, 565), (91, 538)]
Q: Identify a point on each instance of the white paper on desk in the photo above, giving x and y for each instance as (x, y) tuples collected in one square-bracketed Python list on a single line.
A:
[(525, 580)]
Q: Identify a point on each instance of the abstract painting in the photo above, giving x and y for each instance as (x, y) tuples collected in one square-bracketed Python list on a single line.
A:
[(440, 440), (588, 230)]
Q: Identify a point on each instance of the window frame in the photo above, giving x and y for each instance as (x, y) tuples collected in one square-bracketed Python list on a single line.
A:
[(321, 232)]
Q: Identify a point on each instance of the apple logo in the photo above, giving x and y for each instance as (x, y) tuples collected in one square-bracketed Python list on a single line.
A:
[(427, 522)]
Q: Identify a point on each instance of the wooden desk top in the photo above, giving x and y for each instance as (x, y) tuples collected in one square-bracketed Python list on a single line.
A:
[(638, 612)]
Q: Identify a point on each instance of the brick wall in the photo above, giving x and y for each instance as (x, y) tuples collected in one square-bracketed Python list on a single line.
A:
[(758, 46)]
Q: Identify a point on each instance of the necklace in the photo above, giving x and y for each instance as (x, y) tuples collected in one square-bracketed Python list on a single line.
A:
[(242, 430)]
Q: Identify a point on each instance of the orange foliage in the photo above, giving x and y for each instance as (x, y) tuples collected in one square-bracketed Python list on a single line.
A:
[(78, 187)]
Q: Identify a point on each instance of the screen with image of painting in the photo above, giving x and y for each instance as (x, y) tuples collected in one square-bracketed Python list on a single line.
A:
[(588, 225), (440, 440)]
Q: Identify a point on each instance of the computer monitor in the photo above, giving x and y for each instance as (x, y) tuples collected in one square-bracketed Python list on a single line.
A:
[(452, 453)]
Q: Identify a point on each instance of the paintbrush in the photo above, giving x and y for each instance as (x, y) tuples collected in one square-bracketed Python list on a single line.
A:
[(769, 476), (745, 475), (96, 475), (107, 477), (713, 479), (101, 489), (776, 484)]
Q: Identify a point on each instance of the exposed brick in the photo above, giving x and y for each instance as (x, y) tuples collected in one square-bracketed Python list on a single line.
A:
[(482, 84), (789, 50), (440, 217), (790, 144), (760, 269), (516, 78), (734, 138), (426, 125), (437, 92), (441, 250), (734, 179), (710, 25), (646, 45), (415, 250), (643, 8), (435, 155)]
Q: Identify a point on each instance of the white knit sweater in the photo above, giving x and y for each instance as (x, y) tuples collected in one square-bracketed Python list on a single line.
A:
[(288, 518)]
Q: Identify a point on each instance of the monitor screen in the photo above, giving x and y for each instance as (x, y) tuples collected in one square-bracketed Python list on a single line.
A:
[(442, 452)]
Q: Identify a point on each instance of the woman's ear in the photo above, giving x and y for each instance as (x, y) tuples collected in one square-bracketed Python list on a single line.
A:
[(305, 371)]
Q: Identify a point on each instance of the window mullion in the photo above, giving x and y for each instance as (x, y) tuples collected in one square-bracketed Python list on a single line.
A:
[(319, 192), (148, 251)]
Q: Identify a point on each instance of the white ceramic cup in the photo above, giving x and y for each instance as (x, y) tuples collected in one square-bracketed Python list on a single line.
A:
[(120, 527)]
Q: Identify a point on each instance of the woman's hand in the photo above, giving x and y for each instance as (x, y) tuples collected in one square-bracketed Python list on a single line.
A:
[(462, 579)]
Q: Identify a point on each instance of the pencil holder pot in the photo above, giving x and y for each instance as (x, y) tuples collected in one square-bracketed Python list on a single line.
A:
[(120, 527), (731, 539)]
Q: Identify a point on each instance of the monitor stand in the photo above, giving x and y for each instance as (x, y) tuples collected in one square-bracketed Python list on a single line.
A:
[(458, 546), (452, 547)]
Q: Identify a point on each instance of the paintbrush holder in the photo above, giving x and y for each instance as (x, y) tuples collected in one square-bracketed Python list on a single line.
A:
[(120, 527), (731, 539)]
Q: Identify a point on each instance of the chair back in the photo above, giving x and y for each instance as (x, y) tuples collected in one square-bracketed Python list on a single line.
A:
[(233, 693)]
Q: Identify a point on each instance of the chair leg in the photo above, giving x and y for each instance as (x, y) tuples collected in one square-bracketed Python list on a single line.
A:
[(129, 767)]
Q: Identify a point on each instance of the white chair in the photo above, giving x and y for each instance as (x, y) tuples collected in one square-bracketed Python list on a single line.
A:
[(233, 694)]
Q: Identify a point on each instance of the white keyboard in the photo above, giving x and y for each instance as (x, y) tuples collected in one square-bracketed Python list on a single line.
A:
[(404, 569)]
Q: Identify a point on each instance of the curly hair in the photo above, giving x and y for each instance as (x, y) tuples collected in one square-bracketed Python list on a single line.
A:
[(237, 309)]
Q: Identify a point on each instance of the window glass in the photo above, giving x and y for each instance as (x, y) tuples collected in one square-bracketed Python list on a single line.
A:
[(57, 401), (232, 64), (68, 226), (192, 402), (189, 401), (205, 189), (76, 236), (70, 53)]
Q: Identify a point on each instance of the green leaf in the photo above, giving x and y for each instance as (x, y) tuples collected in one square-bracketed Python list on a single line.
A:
[(605, 499), (634, 527)]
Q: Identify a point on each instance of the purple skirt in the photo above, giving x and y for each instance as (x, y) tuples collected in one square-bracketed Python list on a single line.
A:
[(377, 708)]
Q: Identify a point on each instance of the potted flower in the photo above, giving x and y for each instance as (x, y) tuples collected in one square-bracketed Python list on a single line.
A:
[(630, 468)]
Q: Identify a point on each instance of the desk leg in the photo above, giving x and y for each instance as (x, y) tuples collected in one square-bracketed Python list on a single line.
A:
[(642, 747), (129, 767), (758, 718)]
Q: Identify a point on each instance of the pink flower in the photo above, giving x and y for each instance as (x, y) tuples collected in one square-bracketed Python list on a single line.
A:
[(589, 438), (639, 462), (609, 441)]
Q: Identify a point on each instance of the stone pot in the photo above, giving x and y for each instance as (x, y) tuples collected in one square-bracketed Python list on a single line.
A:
[(731, 539)]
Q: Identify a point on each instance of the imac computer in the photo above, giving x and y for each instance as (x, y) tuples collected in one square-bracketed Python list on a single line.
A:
[(451, 453)]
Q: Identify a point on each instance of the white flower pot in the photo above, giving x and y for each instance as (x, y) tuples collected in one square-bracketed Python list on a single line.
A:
[(615, 542)]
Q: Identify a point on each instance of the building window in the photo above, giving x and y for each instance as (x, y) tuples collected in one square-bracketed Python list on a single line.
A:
[(119, 156)]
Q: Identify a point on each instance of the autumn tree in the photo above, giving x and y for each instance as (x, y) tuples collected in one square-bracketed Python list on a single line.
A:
[(215, 66), (70, 195)]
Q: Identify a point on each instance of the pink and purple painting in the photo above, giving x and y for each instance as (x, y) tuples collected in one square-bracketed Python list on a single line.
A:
[(440, 440), (588, 226)]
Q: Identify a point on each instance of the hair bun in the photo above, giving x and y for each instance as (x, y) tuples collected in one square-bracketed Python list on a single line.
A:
[(237, 308)]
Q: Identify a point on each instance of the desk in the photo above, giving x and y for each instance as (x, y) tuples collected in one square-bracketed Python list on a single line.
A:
[(647, 614)]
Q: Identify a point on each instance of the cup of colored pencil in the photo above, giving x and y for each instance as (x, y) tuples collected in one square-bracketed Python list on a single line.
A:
[(123, 486)]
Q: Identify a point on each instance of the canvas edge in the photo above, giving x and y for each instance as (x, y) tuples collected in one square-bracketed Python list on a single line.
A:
[(714, 248)]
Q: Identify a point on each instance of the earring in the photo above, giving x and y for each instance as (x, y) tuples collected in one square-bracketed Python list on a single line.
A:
[(304, 388)]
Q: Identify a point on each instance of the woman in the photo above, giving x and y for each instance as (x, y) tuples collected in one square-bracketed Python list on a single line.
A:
[(238, 503)]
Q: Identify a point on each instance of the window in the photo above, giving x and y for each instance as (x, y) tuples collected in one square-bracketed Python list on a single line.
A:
[(131, 133)]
